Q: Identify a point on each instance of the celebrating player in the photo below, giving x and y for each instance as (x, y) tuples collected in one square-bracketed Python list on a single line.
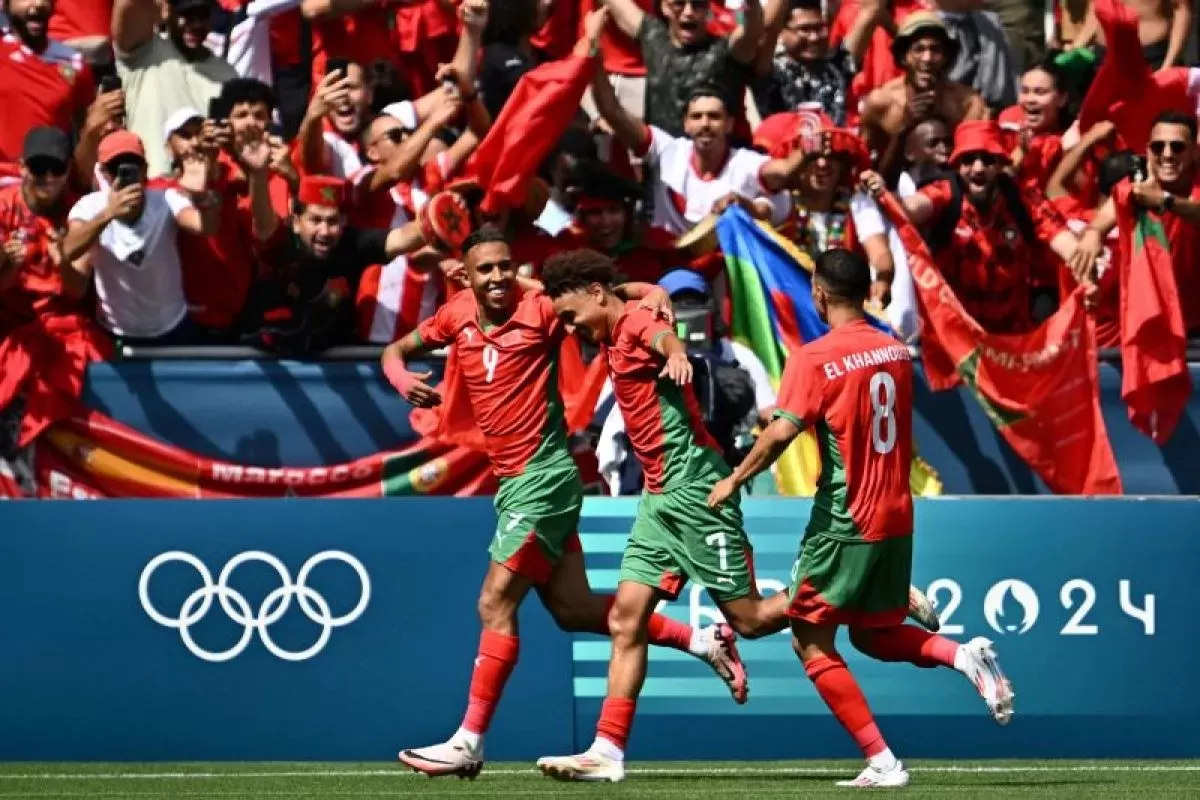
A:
[(508, 343), (854, 385)]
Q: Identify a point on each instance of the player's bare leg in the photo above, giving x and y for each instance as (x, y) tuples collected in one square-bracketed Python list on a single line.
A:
[(976, 660), (605, 759), (499, 599), (575, 607), (814, 644)]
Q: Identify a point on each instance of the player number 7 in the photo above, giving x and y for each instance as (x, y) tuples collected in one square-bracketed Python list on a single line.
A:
[(719, 540)]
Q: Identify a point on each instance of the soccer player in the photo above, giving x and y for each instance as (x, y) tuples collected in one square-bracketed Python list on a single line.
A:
[(854, 386), (508, 341)]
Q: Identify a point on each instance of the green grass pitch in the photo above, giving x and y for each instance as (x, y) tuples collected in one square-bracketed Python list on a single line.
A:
[(960, 780)]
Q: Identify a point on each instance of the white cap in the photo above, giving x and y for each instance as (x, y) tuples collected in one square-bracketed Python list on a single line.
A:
[(177, 120)]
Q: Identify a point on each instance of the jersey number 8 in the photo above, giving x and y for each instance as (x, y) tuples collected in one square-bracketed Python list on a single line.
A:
[(883, 412)]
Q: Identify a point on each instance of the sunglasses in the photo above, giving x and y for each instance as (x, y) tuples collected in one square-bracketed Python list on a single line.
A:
[(1176, 147), (41, 167), (987, 159), (697, 5)]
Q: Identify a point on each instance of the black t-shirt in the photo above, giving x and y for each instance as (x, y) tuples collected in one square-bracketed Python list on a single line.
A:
[(307, 302)]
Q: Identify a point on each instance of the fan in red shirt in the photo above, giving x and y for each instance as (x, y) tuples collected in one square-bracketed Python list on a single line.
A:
[(1033, 128), (42, 81), (33, 212), (362, 35), (999, 248), (85, 25)]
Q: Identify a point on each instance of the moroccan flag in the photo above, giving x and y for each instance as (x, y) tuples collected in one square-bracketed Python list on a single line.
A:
[(1126, 90), (530, 125), (773, 314), (1039, 389), (46, 360), (1155, 384)]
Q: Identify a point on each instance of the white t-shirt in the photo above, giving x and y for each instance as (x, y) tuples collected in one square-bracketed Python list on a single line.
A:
[(139, 283), (682, 197)]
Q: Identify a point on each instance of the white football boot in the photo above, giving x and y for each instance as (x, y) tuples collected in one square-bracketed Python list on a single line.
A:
[(871, 778), (590, 766), (979, 663), (441, 760), (723, 657)]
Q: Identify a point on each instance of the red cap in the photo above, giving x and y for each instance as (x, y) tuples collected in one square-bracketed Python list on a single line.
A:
[(445, 221), (978, 136), (120, 143), (779, 134), (322, 190)]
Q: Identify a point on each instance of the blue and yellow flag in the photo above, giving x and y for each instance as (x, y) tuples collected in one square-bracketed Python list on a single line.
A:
[(770, 284)]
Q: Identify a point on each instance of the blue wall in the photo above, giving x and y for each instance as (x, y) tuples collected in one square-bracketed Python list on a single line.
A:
[(88, 674), (279, 413)]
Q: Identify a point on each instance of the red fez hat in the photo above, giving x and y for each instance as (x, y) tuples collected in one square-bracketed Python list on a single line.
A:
[(978, 136), (322, 190)]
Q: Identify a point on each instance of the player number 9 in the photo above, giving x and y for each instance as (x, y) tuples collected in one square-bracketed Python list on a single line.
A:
[(883, 416), (491, 357)]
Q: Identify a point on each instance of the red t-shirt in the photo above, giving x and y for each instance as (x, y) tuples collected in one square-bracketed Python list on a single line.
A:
[(218, 269), (622, 55), (38, 288), (285, 38), (48, 88), (1107, 309), (854, 387), (361, 36), (1185, 252), (510, 374), (988, 262), (556, 38), (79, 19), (662, 420)]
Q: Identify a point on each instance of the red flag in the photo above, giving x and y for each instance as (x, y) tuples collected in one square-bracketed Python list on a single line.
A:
[(531, 123), (1125, 89), (46, 360), (1040, 389), (1155, 384)]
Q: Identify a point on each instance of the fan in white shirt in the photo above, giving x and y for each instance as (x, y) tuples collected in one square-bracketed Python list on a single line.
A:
[(125, 237), (697, 175)]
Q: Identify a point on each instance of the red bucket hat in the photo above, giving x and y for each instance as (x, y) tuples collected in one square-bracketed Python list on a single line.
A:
[(810, 129), (978, 136)]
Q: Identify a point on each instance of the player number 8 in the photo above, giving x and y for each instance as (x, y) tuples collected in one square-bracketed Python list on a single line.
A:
[(883, 416), (491, 357)]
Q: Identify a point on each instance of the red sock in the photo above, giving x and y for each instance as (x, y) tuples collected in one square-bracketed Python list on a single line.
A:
[(616, 718), (911, 644), (662, 630), (840, 692), (497, 657)]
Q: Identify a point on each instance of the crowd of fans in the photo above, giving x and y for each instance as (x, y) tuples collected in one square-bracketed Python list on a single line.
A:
[(212, 172)]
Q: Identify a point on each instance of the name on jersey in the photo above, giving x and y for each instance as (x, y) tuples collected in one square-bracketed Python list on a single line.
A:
[(866, 358)]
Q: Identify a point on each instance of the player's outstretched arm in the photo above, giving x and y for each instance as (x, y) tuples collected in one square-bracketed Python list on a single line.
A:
[(652, 296), (677, 368), (771, 443), (411, 385)]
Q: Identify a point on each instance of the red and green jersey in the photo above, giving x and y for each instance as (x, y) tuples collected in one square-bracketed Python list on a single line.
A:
[(662, 419), (854, 387), (511, 375)]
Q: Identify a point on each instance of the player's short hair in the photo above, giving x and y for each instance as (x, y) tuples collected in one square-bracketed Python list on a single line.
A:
[(806, 5), (577, 269), (844, 274), (705, 90), (1185, 119), (487, 234)]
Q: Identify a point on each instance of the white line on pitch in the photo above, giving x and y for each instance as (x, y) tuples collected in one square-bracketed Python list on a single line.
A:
[(683, 772)]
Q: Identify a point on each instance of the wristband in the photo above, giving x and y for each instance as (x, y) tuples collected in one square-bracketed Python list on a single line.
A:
[(1168, 203)]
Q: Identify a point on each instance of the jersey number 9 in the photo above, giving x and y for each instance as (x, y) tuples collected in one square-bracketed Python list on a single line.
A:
[(883, 412)]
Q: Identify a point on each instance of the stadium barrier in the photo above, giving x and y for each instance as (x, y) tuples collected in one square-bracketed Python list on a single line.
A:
[(331, 630)]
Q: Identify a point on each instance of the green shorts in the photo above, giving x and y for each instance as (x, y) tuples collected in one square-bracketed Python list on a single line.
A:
[(537, 520), (865, 584), (677, 537)]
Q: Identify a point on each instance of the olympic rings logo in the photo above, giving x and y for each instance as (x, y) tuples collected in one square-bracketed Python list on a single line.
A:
[(238, 609)]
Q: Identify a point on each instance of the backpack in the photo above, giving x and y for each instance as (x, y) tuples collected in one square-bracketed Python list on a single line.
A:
[(939, 233)]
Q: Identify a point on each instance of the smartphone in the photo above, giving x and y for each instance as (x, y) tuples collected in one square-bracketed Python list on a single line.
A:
[(217, 112), (127, 175), (108, 83), (341, 65)]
